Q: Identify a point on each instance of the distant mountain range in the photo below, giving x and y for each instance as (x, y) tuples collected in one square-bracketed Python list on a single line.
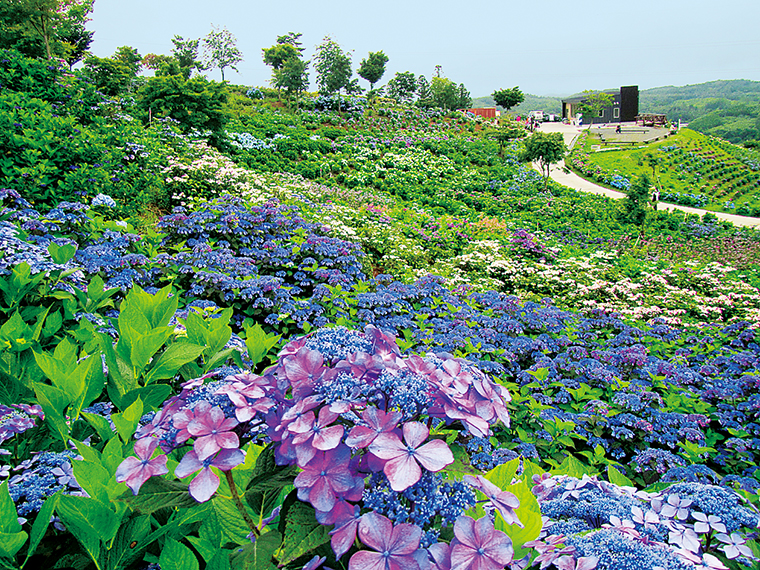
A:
[(729, 109)]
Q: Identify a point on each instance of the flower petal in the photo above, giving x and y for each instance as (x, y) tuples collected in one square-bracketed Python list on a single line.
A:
[(205, 484)]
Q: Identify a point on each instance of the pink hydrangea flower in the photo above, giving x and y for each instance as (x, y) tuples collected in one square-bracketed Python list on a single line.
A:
[(134, 471), (402, 462), (394, 546), (205, 484), (477, 545), (212, 432)]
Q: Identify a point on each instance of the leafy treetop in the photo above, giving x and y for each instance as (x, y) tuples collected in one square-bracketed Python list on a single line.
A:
[(373, 67), (508, 98), (546, 149), (333, 67), (220, 50)]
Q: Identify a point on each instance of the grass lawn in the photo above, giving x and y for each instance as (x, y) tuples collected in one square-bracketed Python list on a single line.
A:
[(692, 169)]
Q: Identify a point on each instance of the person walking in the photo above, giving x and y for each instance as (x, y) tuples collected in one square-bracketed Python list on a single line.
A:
[(655, 198)]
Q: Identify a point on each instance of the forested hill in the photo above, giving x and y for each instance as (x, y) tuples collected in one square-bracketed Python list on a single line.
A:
[(733, 90)]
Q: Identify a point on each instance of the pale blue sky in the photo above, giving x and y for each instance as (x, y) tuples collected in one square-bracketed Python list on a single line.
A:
[(547, 47)]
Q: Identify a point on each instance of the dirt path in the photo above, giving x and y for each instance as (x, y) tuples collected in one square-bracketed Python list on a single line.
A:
[(572, 180)]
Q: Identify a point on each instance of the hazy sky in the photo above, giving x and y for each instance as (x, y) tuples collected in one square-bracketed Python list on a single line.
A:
[(547, 47)]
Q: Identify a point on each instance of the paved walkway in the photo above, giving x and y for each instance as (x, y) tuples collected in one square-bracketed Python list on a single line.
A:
[(572, 180)]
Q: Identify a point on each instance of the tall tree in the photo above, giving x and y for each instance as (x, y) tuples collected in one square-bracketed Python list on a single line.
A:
[(71, 32), (333, 67), (373, 68), (594, 102), (464, 97), (220, 50), (424, 94), (114, 75), (508, 98), (293, 39), (293, 77), (636, 203), (276, 56), (545, 149), (402, 86), (445, 93), (49, 28)]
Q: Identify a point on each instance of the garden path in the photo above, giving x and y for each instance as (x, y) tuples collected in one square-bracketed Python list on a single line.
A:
[(572, 180)]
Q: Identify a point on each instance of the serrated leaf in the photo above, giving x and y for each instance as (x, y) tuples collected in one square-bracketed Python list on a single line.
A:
[(101, 425), (41, 523), (126, 421), (158, 493), (89, 520), (259, 343), (502, 475), (172, 359), (11, 543), (302, 533), (618, 478), (61, 253), (232, 524), (126, 550), (177, 556), (8, 515), (529, 514), (267, 481), (571, 467), (257, 556), (220, 561)]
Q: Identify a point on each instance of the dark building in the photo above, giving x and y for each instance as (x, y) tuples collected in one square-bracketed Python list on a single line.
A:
[(624, 108)]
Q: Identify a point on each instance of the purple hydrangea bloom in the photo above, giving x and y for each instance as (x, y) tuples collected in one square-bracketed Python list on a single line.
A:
[(134, 471), (477, 545), (394, 546)]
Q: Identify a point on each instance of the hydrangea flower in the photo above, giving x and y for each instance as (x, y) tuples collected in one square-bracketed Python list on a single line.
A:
[(477, 545), (393, 546), (134, 471), (204, 485), (402, 461)]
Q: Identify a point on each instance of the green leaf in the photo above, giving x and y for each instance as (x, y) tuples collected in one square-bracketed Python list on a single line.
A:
[(177, 556), (302, 533), (53, 402), (126, 548), (120, 374), (143, 346), (257, 556), (220, 561), (231, 522), (61, 253), (502, 475), (172, 359), (8, 515), (41, 523), (93, 478), (259, 343), (571, 467), (101, 425), (158, 493), (12, 391), (529, 470), (267, 481), (529, 514), (126, 422), (89, 520), (618, 478), (11, 543)]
